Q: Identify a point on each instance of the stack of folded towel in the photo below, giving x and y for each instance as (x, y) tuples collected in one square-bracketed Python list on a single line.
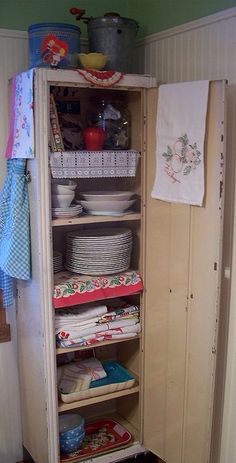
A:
[(91, 323)]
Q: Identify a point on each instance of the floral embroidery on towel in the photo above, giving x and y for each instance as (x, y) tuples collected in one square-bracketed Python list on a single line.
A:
[(182, 159)]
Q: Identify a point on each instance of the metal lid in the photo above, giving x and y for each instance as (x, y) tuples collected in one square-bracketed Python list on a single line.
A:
[(59, 26), (112, 19)]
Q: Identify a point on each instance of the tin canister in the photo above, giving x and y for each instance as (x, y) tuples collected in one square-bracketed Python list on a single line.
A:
[(53, 45), (115, 37)]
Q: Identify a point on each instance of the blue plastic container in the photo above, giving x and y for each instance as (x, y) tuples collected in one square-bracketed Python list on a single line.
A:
[(53, 45)]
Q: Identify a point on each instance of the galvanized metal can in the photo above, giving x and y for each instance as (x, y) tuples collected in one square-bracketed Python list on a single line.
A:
[(114, 36)]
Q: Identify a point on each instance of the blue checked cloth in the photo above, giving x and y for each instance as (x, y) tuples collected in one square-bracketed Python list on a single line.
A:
[(14, 229)]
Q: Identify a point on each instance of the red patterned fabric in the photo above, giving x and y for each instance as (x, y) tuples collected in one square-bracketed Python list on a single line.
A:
[(72, 289), (101, 78)]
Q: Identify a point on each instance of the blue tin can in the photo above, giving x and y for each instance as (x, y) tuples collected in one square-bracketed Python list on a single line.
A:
[(53, 45)]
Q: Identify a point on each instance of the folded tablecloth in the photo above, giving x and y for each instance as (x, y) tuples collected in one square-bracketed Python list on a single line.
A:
[(76, 332), (88, 340), (72, 289)]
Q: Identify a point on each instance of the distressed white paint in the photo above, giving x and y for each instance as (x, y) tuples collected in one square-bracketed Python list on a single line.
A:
[(202, 49)]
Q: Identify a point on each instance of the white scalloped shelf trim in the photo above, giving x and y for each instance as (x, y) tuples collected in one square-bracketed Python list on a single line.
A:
[(89, 164)]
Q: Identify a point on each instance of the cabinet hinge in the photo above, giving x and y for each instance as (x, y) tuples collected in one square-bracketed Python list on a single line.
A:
[(213, 350), (27, 177)]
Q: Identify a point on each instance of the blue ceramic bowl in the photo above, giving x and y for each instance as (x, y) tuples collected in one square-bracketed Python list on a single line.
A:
[(76, 436), (71, 425), (72, 444)]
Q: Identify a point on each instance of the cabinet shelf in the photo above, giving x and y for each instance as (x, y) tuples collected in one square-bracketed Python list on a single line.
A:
[(120, 453), (63, 407), (84, 219), (66, 350)]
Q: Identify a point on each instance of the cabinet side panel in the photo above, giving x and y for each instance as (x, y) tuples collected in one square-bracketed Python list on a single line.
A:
[(31, 342), (166, 286), (35, 318), (204, 291)]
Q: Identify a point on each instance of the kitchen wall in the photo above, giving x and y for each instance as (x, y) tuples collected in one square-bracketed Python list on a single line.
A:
[(202, 49), (152, 15), (155, 16)]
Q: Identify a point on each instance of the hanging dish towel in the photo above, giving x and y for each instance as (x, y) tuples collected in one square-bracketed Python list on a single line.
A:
[(14, 229), (180, 132), (21, 125)]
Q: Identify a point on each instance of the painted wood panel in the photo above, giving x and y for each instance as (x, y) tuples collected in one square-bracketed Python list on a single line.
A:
[(183, 274), (205, 49), (167, 266)]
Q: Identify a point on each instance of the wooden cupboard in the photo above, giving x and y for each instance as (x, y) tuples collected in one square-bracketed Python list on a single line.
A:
[(178, 250)]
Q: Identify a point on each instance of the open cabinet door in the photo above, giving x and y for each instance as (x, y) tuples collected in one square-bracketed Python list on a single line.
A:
[(182, 298)]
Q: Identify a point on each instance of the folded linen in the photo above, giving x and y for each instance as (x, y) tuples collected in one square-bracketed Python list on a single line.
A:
[(71, 333), (89, 341), (125, 329), (77, 376), (121, 333), (72, 382), (124, 312), (81, 313), (73, 321), (74, 326)]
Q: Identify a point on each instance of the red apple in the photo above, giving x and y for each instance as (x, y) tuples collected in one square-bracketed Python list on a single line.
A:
[(93, 138)]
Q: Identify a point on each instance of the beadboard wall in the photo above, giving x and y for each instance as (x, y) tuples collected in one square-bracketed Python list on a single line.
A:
[(206, 49), (202, 49)]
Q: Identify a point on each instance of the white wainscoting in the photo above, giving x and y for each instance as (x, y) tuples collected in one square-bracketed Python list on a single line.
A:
[(13, 47), (202, 49)]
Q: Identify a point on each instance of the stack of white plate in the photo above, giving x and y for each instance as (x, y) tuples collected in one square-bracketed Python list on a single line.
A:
[(67, 212), (107, 202), (99, 252), (57, 261)]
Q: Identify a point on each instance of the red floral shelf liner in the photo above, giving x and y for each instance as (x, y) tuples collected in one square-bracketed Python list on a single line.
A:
[(100, 436), (72, 289)]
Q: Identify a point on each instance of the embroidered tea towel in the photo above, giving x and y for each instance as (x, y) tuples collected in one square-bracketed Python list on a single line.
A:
[(180, 133), (20, 142)]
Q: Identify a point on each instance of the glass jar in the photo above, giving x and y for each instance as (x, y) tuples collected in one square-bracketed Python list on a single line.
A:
[(113, 116)]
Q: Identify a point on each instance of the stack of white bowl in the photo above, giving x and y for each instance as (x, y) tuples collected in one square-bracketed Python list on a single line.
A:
[(63, 192), (107, 202)]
